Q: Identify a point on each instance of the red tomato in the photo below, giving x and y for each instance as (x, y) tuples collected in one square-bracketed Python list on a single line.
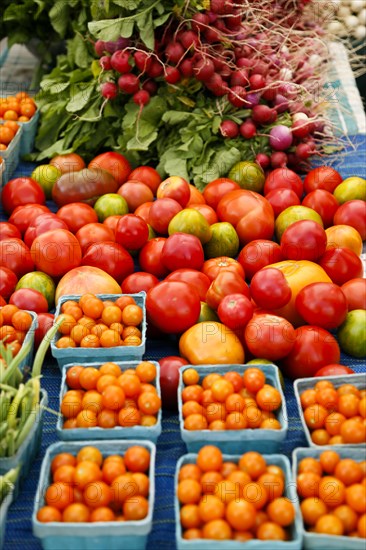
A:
[(176, 188), (2, 301), (182, 250), (114, 163), (143, 211), (282, 198), (20, 191), (8, 281), (314, 348), (111, 222), (56, 252), (93, 233), (69, 162), (169, 379), (9, 231), (355, 292), (303, 240), (216, 189), (207, 211), (322, 304), (258, 254), (132, 232), (45, 322), (76, 215), (148, 175), (334, 370), (150, 257), (23, 216), (138, 281), (43, 223), (161, 212), (324, 203), (196, 278), (341, 265), (323, 177), (214, 266), (226, 282), (352, 213), (195, 196), (235, 311), (173, 306), (15, 255), (111, 257), (285, 179), (269, 288), (250, 214), (135, 194), (28, 298), (269, 336)]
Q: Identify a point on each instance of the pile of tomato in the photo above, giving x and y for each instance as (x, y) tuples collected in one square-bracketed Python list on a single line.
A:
[(92, 322), (333, 493), (227, 500), (230, 401), (335, 416), (107, 396), (90, 487)]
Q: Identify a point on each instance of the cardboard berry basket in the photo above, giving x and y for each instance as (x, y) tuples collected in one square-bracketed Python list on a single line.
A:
[(150, 433), (236, 441), (79, 356), (108, 535), (254, 544), (302, 384), (318, 541)]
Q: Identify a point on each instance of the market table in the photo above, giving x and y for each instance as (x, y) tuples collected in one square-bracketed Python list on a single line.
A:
[(170, 446)]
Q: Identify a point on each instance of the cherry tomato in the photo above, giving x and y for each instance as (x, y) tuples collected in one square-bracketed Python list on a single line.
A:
[(20, 191), (313, 349), (322, 304)]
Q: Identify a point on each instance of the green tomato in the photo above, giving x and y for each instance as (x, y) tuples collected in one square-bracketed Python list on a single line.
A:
[(207, 314), (110, 204), (224, 241), (46, 176), (192, 222), (293, 214), (249, 175), (37, 280), (350, 189), (352, 334)]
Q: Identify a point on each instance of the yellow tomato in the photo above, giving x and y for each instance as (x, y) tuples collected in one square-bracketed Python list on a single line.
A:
[(210, 342), (344, 236), (298, 274)]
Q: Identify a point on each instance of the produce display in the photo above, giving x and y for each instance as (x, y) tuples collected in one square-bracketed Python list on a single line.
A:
[(333, 498), (227, 500), (93, 323), (229, 402), (90, 487), (109, 397), (335, 416)]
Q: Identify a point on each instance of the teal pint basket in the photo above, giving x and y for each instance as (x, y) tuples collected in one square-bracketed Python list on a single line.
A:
[(316, 541), (111, 535), (79, 356), (29, 134), (11, 156), (3, 513), (236, 441), (28, 451), (201, 544), (118, 432), (302, 384)]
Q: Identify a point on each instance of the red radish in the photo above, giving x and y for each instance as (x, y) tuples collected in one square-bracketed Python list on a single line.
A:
[(300, 128), (217, 85), (105, 62), (263, 114), (128, 83), (278, 159), (280, 137), (109, 90), (142, 60), (99, 47), (200, 21), (229, 129), (156, 68), (263, 160), (120, 62), (172, 75), (189, 39), (186, 68), (203, 69), (303, 151), (236, 96), (239, 78), (257, 81), (150, 86), (174, 52), (142, 97), (248, 129)]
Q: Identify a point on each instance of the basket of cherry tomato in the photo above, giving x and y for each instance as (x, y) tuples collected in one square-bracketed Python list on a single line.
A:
[(110, 401), (236, 407), (96, 496), (22, 110), (102, 327), (333, 409), (331, 485), (223, 500), (10, 140)]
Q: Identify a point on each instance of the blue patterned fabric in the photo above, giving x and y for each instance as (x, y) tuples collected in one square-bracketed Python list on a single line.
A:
[(170, 446)]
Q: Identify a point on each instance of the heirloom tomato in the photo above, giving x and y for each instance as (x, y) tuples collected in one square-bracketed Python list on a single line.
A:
[(111, 257), (169, 380), (161, 212), (270, 289), (269, 336), (9, 231), (224, 284), (214, 266), (352, 213), (139, 281), (192, 222), (21, 191), (355, 292), (182, 250), (324, 203), (150, 257), (334, 369), (192, 276), (235, 310), (148, 175), (114, 163), (322, 177), (283, 178), (23, 216), (216, 189), (56, 252), (15, 255), (341, 264), (132, 232), (8, 280), (257, 254), (76, 215), (344, 236), (86, 279), (30, 299), (134, 194), (322, 304), (93, 233)]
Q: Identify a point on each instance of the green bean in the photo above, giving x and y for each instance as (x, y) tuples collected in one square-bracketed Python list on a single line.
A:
[(7, 482)]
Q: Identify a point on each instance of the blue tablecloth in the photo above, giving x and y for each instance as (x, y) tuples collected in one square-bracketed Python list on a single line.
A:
[(170, 446)]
